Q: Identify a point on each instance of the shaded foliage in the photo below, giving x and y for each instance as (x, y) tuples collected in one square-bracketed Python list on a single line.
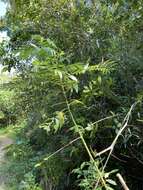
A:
[(79, 70)]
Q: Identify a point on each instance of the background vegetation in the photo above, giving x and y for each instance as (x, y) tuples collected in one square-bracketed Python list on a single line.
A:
[(78, 91)]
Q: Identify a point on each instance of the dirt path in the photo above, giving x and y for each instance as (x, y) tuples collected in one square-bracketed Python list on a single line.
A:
[(4, 142)]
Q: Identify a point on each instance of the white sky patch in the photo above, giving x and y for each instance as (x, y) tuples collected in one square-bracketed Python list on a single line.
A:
[(3, 36), (3, 7)]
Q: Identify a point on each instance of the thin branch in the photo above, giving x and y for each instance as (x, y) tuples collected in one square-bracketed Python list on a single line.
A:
[(56, 152), (62, 148), (103, 119), (103, 151), (125, 123), (122, 181), (82, 138), (111, 147), (118, 158)]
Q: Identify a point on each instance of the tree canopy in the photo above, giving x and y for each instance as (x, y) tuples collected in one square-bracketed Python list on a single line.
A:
[(79, 91)]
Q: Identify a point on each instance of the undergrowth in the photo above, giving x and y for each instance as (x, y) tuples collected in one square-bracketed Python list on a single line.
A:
[(75, 102)]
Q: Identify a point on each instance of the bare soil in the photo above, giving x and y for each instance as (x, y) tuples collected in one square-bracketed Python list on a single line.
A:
[(4, 142)]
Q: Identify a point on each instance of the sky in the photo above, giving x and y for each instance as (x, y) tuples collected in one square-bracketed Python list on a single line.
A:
[(3, 34), (2, 8)]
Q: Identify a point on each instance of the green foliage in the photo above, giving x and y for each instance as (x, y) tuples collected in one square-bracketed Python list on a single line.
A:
[(19, 157), (88, 177), (7, 106), (29, 183), (6, 99), (79, 70)]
